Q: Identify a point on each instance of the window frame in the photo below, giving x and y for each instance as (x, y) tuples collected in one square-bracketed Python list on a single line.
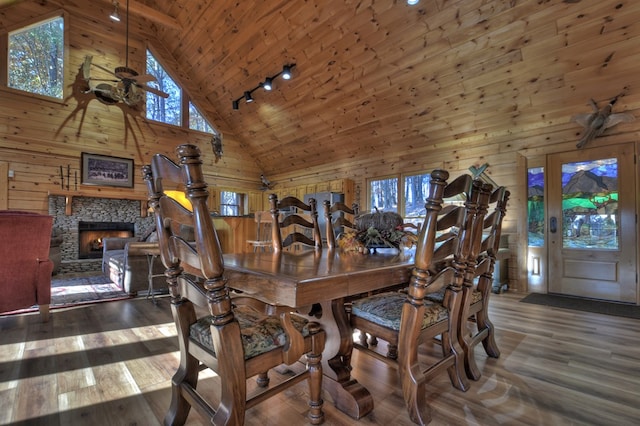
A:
[(241, 198), (4, 47), (370, 208), (183, 93), (401, 177), (186, 100)]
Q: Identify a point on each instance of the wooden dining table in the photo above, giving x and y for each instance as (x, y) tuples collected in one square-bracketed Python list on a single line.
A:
[(323, 279)]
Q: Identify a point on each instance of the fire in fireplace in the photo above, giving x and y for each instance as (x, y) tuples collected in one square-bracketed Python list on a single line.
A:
[(90, 235)]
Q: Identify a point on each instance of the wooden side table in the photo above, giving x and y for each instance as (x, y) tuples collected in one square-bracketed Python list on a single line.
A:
[(152, 251)]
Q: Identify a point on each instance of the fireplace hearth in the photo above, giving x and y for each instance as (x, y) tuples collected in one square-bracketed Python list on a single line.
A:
[(91, 234)]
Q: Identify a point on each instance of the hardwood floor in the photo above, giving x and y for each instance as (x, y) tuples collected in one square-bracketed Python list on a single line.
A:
[(111, 364)]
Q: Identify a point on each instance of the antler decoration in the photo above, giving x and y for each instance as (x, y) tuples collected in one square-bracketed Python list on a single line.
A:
[(216, 144)]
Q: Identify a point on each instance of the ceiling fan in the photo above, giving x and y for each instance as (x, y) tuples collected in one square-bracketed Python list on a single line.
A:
[(129, 86)]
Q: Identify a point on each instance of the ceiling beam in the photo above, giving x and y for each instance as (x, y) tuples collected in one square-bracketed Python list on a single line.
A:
[(141, 10), (151, 14)]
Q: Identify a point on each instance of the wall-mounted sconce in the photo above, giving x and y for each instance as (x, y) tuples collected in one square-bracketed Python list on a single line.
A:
[(115, 15), (266, 85)]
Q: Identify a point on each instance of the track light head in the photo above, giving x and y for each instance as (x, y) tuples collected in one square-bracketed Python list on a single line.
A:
[(115, 16), (267, 85), (286, 72)]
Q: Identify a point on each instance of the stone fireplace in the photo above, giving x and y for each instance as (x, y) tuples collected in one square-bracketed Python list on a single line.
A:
[(92, 210)]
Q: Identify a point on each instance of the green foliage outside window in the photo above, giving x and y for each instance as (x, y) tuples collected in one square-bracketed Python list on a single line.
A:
[(36, 58)]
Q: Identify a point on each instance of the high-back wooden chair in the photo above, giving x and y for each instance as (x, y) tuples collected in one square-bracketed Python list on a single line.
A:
[(478, 283), (238, 338), (294, 229), (263, 238), (408, 319), (338, 216)]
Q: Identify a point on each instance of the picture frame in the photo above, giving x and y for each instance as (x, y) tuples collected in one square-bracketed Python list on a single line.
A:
[(105, 170)]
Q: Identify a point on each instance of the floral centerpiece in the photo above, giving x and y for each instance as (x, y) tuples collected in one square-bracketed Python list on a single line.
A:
[(377, 230)]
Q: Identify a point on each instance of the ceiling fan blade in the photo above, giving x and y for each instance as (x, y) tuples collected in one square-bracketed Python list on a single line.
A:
[(111, 80), (106, 70), (86, 67), (105, 94), (126, 72), (145, 78), (153, 90)]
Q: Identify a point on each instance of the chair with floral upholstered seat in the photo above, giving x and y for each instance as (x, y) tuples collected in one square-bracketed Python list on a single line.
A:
[(408, 319), (238, 337)]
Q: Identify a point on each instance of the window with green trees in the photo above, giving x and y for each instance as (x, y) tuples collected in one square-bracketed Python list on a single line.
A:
[(36, 58)]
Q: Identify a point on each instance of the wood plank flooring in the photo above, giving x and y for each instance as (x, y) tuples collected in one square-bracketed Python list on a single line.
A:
[(111, 364)]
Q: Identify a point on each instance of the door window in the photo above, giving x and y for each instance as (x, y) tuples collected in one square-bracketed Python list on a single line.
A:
[(590, 204)]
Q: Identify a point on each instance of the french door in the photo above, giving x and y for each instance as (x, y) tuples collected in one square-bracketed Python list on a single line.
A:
[(591, 223)]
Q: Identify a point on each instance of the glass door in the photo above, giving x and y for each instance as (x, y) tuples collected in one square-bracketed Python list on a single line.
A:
[(591, 227)]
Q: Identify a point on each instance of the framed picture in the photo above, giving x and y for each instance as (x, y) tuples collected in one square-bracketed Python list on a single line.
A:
[(107, 171)]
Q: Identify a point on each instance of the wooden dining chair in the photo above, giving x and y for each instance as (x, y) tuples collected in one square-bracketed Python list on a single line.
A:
[(263, 238), (238, 337), (478, 284), (408, 319), (338, 216), (294, 229)]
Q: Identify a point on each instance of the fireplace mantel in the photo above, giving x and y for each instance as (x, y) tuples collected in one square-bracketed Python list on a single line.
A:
[(69, 199)]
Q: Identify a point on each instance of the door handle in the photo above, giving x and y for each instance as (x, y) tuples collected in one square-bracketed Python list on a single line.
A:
[(553, 225)]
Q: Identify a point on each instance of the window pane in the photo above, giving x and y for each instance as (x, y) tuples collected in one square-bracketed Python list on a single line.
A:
[(166, 110), (230, 203), (197, 120), (535, 206), (416, 188), (590, 204), (36, 58), (384, 195)]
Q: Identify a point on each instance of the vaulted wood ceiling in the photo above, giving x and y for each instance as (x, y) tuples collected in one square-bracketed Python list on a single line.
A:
[(382, 78)]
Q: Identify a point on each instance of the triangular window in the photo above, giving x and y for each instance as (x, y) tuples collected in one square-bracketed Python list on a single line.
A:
[(166, 110)]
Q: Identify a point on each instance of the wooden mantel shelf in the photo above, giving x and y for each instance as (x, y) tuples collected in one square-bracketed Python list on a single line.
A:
[(117, 196)]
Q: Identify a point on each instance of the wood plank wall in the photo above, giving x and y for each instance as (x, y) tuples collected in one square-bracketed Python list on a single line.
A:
[(38, 136)]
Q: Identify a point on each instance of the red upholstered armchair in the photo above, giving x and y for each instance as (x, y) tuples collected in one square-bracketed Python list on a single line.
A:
[(25, 267)]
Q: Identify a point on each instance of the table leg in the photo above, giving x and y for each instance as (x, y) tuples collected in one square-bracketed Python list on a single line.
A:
[(150, 259), (348, 395)]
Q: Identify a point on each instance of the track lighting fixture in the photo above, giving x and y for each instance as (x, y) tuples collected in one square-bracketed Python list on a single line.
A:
[(115, 16), (266, 85), (286, 72)]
